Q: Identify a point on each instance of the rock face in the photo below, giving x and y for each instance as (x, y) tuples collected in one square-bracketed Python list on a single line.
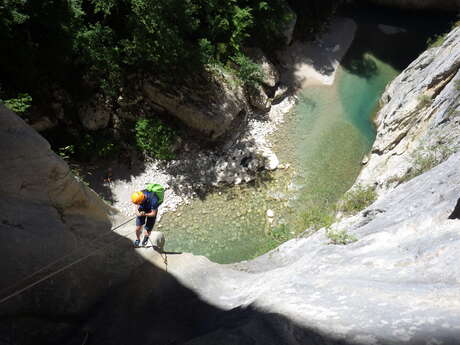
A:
[(419, 117), (209, 103), (48, 220), (450, 5)]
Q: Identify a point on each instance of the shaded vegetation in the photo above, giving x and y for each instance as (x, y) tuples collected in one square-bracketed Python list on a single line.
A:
[(438, 40), (65, 52), (98, 42), (20, 104), (155, 138)]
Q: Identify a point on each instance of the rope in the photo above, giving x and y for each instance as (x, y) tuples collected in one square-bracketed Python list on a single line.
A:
[(161, 252), (62, 268)]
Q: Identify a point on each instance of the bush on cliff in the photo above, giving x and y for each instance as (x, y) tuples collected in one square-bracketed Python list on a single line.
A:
[(357, 199), (155, 138)]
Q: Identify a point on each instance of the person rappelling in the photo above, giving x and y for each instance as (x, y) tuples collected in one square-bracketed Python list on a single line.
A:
[(146, 203)]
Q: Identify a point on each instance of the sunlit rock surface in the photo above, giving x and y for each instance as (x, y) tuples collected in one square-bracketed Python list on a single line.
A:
[(419, 116)]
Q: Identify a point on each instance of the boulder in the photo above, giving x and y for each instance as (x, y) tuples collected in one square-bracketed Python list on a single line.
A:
[(43, 123), (208, 103), (281, 92), (95, 114), (157, 239), (259, 99)]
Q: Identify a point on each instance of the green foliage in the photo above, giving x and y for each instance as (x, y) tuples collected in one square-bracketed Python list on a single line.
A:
[(317, 216), (89, 146), (280, 233), (339, 236), (19, 104), (66, 152), (249, 72), (96, 46), (357, 199), (97, 42), (438, 40), (97, 144), (155, 138), (457, 85)]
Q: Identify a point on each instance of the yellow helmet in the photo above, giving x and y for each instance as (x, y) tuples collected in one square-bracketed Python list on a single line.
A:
[(137, 197)]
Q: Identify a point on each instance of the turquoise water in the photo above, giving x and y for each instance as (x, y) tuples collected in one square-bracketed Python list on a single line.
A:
[(324, 141), (330, 134), (359, 95)]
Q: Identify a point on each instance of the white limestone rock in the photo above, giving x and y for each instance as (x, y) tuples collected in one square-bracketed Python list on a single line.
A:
[(157, 239), (419, 115)]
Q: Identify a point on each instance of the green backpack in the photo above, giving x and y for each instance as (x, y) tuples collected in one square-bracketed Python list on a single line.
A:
[(158, 189)]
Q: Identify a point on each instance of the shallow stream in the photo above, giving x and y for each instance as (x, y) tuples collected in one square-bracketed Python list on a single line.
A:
[(323, 140)]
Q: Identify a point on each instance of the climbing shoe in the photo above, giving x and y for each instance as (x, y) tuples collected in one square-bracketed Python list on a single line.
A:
[(145, 241), (136, 243)]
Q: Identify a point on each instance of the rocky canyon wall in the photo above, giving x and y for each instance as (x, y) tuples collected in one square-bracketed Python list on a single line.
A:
[(419, 117)]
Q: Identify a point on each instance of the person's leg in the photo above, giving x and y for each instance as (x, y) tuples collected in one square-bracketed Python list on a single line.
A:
[(138, 232), (148, 229), (140, 221)]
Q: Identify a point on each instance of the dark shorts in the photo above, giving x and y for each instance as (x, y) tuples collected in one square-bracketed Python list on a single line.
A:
[(148, 225)]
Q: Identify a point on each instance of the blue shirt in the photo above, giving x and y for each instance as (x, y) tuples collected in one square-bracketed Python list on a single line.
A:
[(150, 203)]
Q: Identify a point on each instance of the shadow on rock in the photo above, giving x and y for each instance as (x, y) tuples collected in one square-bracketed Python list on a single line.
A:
[(387, 33), (100, 176)]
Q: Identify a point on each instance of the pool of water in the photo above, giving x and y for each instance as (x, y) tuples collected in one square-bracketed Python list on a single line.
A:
[(324, 140)]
